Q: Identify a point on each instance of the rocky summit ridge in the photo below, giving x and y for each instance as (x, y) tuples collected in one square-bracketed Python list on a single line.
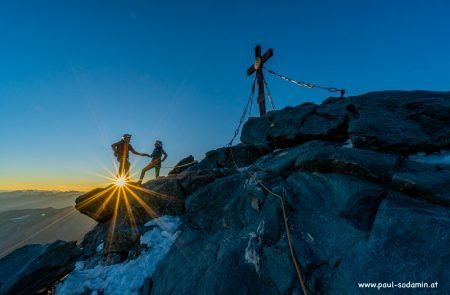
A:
[(360, 207)]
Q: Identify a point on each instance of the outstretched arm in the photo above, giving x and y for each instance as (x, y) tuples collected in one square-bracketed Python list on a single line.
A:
[(131, 149)]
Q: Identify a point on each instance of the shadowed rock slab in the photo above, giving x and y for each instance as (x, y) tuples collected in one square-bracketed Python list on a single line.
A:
[(294, 125), (35, 268), (97, 204), (406, 244), (156, 197), (220, 228), (219, 163), (282, 161), (276, 128), (400, 121), (366, 164), (347, 221), (428, 181), (163, 195), (200, 175), (182, 165), (241, 155)]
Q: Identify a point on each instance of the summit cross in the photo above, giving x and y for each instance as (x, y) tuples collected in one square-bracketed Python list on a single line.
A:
[(257, 68)]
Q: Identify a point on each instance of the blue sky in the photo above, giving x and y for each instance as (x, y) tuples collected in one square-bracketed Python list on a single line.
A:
[(75, 76)]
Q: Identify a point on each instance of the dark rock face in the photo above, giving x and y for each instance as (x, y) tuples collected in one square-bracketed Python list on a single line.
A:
[(182, 165), (401, 121), (111, 243), (120, 242), (218, 163), (240, 155), (93, 239), (291, 126), (221, 225), (427, 181), (370, 165), (346, 215), (162, 195), (199, 175), (276, 126), (405, 244), (342, 222), (34, 268), (362, 214), (97, 203)]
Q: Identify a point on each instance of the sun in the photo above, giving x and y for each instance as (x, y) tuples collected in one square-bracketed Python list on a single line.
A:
[(120, 181)]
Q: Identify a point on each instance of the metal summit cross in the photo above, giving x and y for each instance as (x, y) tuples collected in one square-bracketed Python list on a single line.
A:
[(258, 68)]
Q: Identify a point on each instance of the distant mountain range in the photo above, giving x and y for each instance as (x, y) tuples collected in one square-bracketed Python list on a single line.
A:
[(34, 216), (32, 199)]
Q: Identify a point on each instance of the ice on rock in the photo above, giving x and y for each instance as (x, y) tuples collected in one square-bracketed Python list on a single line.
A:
[(442, 157), (127, 277), (348, 144)]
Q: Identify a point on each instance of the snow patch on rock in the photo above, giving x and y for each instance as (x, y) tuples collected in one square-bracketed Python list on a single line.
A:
[(252, 252), (243, 169), (127, 277), (443, 157), (99, 248), (348, 144)]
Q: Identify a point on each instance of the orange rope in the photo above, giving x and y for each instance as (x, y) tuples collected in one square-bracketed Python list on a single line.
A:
[(288, 234)]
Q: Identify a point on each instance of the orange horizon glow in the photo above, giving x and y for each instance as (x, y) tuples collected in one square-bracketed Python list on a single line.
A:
[(117, 194), (97, 180), (44, 187), (41, 182)]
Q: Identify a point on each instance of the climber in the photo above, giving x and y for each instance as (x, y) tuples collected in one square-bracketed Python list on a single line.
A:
[(121, 149), (156, 155)]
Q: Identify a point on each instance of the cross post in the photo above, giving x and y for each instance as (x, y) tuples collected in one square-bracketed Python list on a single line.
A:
[(257, 68)]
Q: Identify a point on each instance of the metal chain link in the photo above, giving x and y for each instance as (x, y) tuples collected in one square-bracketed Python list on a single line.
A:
[(269, 95), (304, 84), (250, 99), (250, 109)]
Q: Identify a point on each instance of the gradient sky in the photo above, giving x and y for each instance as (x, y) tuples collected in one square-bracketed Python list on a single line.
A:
[(76, 75)]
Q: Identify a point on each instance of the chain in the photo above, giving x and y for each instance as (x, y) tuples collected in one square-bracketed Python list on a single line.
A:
[(269, 95), (249, 102), (308, 85), (250, 109)]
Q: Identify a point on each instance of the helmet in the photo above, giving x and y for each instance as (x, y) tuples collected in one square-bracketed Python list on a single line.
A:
[(159, 142), (126, 135)]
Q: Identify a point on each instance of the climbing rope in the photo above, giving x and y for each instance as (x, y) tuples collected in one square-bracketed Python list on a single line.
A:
[(269, 95), (180, 166), (286, 226), (249, 102), (304, 84), (259, 182)]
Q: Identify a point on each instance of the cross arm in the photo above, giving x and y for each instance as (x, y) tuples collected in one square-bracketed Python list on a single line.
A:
[(264, 58)]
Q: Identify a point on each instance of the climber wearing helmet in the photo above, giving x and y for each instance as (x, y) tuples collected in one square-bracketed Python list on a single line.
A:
[(156, 155), (121, 151)]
